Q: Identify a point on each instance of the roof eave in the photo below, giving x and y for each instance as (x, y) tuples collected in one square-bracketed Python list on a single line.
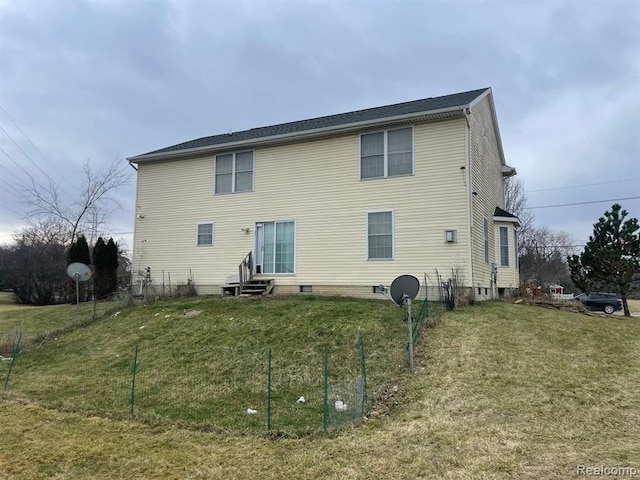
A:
[(432, 115), (513, 220)]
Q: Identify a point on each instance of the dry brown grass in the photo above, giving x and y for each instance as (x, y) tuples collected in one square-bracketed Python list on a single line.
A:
[(504, 391)]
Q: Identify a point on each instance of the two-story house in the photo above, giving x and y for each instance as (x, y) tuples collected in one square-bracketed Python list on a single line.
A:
[(333, 205)]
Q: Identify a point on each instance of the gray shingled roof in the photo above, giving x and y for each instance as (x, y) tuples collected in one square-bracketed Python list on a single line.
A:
[(499, 212), (417, 106)]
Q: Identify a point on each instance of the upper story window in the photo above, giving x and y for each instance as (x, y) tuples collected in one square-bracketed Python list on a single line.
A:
[(386, 154), (234, 172)]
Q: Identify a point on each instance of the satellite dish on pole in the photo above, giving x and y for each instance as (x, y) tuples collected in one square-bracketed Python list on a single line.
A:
[(80, 273), (403, 287), (402, 291)]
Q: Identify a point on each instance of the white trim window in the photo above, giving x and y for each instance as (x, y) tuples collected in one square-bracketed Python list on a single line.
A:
[(485, 238), (504, 246), (386, 154), (380, 235), (205, 234), (234, 172), (515, 247)]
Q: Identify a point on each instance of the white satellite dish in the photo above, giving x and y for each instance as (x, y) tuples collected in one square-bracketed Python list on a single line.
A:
[(80, 273)]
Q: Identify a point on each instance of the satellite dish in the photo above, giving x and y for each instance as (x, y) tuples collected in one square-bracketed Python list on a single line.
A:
[(404, 285), (79, 271), (403, 290)]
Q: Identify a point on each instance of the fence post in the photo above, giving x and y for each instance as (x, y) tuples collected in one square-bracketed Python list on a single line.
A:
[(363, 371), (325, 406), (269, 394), (133, 379), (14, 357)]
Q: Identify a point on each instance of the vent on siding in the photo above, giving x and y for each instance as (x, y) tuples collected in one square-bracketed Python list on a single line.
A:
[(306, 289), (450, 236)]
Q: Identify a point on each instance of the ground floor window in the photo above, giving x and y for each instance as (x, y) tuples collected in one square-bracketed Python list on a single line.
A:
[(504, 247), (205, 234), (380, 235)]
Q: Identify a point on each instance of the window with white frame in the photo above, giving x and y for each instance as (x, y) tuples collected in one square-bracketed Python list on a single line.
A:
[(504, 246), (485, 238), (380, 235), (386, 154), (205, 234), (278, 247), (515, 246), (234, 172)]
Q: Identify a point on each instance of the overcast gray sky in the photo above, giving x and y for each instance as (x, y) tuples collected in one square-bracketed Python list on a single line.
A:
[(107, 79)]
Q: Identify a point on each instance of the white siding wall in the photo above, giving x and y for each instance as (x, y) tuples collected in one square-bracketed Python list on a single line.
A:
[(317, 185)]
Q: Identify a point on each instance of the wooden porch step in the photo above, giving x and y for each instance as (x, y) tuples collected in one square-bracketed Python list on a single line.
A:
[(257, 287)]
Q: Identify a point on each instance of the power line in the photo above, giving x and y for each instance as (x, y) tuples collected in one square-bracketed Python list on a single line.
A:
[(20, 167), (31, 160), (582, 203), (27, 137), (584, 185), (12, 187)]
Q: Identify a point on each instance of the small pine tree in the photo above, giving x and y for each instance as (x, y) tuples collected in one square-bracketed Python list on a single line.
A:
[(611, 257), (112, 266), (79, 252), (100, 255)]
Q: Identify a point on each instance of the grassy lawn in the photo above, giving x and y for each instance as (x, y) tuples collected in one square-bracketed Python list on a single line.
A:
[(502, 391), (203, 362)]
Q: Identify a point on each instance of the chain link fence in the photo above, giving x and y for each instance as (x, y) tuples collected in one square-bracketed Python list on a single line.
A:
[(321, 394), (259, 391)]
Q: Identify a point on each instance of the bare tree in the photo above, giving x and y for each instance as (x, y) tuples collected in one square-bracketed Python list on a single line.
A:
[(515, 201), (34, 266), (543, 258), (86, 213), (541, 251)]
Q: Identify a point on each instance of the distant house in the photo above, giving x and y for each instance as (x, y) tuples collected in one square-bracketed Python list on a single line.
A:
[(555, 289), (333, 205)]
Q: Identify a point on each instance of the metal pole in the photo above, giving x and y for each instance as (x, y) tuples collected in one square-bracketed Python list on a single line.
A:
[(410, 327), (269, 394), (325, 409), (133, 380), (363, 371), (77, 276), (14, 357)]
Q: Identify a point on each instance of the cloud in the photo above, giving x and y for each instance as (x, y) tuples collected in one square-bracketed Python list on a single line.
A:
[(109, 79)]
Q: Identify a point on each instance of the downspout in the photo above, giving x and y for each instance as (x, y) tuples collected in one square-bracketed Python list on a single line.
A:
[(135, 229), (470, 196)]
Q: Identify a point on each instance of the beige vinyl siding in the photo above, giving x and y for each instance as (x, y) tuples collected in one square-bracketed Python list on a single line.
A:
[(488, 183), (316, 184), (507, 277)]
